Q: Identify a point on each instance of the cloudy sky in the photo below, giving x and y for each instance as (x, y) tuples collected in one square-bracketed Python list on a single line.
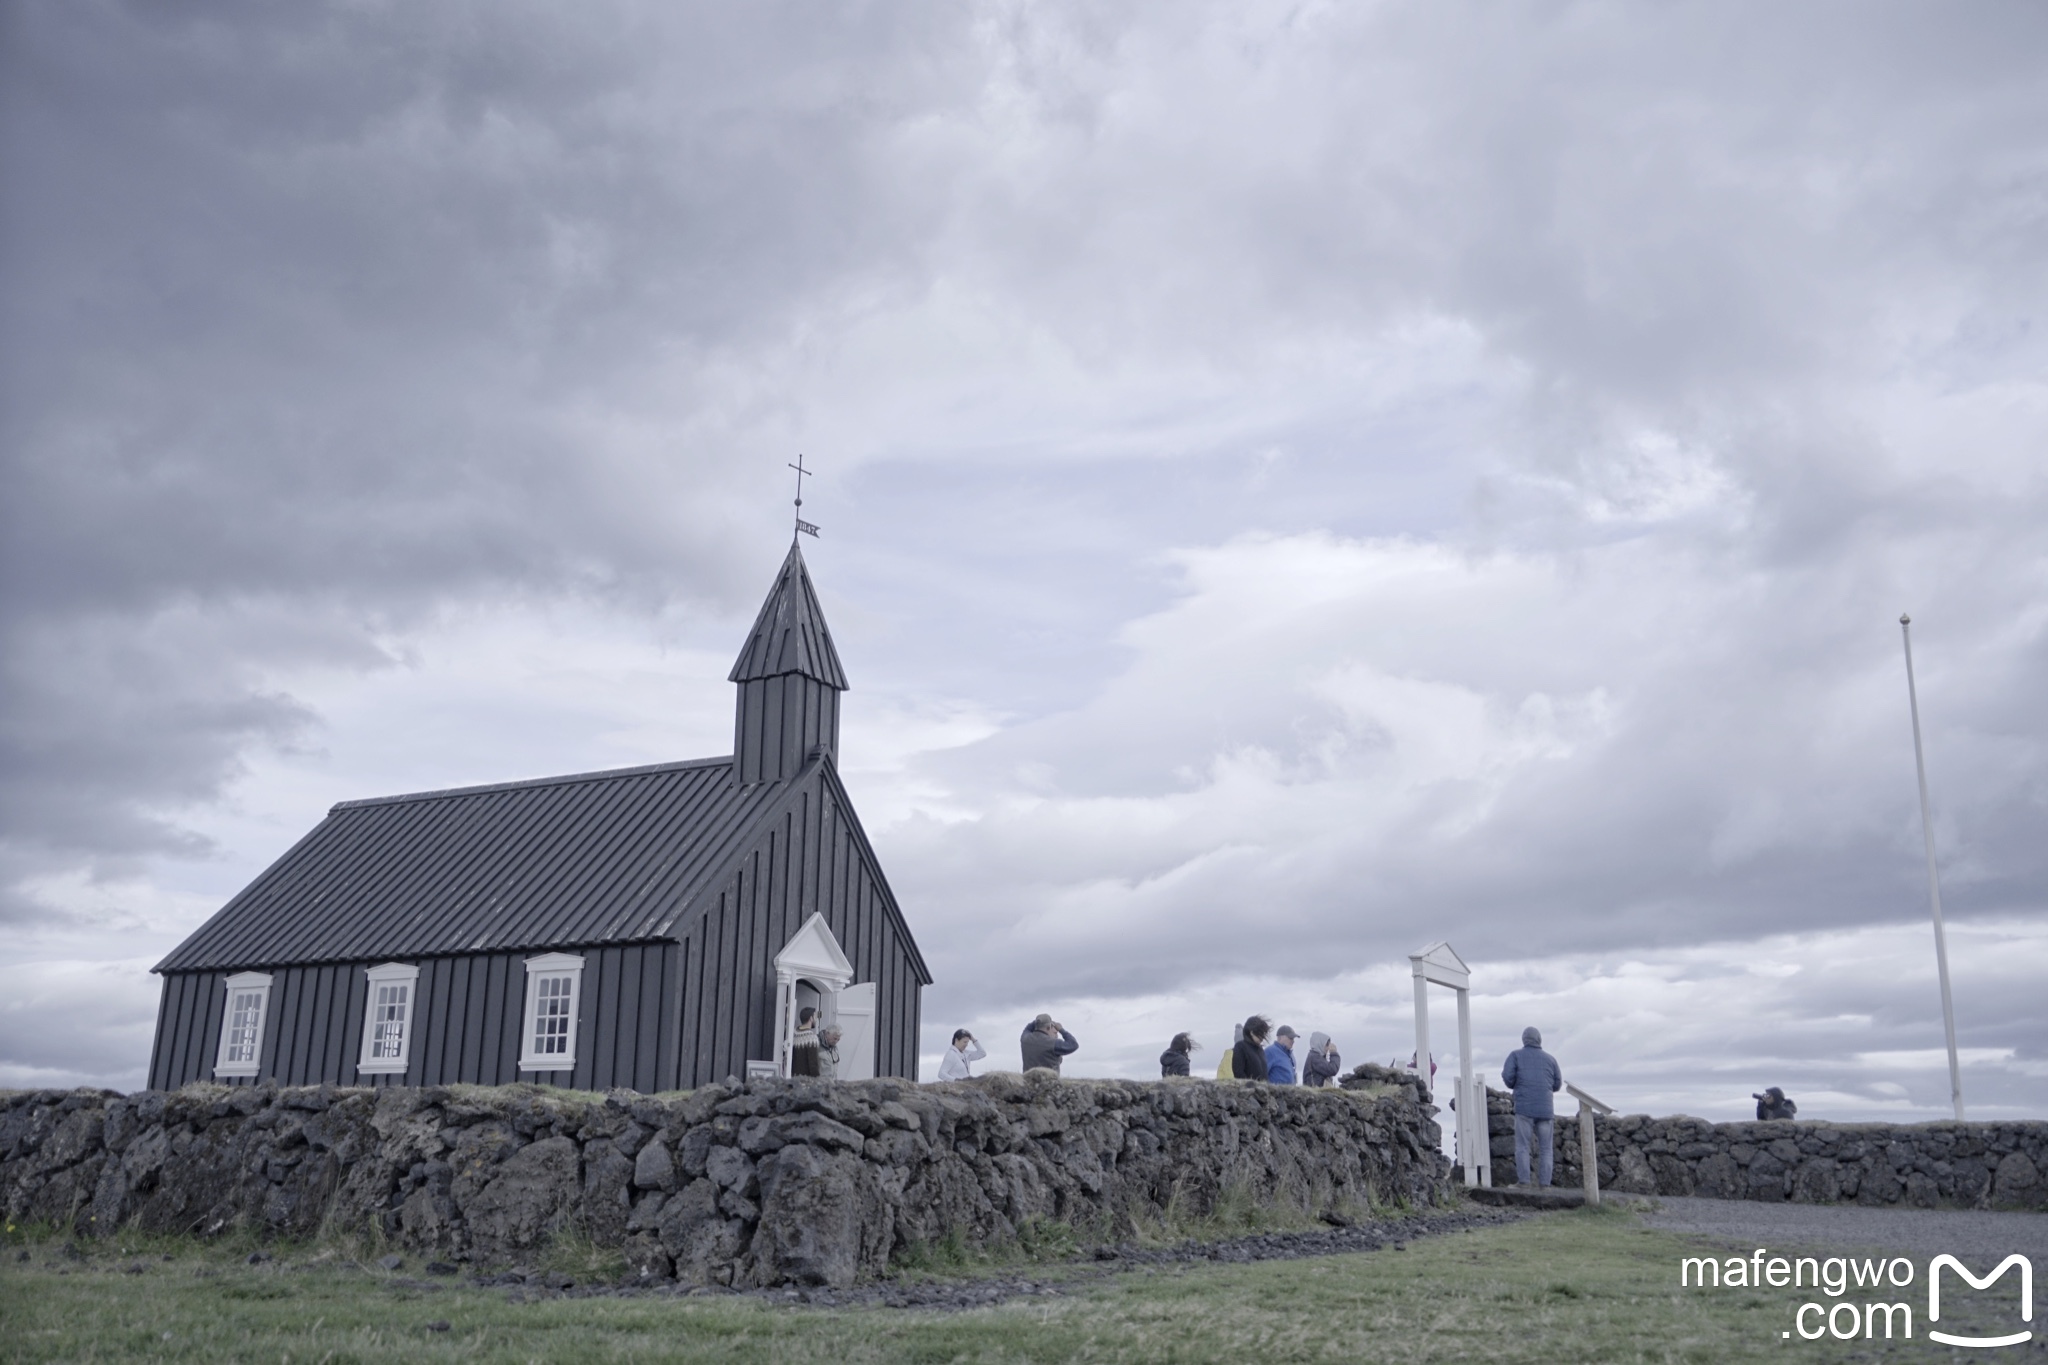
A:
[(1299, 481)]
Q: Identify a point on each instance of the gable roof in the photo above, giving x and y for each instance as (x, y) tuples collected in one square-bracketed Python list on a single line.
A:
[(789, 636), (583, 859), (621, 856)]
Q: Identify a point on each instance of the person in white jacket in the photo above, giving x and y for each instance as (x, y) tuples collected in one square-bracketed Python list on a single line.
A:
[(953, 1066)]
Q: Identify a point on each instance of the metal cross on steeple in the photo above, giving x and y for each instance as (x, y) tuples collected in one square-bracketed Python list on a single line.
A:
[(802, 526)]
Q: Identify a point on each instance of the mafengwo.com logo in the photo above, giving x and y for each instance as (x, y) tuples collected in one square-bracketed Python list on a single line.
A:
[(1869, 1297)]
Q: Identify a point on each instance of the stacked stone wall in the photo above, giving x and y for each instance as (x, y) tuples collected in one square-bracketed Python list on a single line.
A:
[(1996, 1165), (770, 1182)]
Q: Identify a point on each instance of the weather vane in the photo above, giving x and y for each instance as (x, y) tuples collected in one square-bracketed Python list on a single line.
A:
[(802, 526)]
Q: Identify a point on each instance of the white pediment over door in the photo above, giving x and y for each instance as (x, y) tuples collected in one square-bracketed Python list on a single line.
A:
[(815, 953)]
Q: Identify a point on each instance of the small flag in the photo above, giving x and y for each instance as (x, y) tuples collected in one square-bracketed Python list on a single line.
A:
[(806, 527)]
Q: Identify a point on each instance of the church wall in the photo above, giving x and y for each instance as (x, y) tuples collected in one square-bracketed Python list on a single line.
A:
[(808, 862), (467, 1015)]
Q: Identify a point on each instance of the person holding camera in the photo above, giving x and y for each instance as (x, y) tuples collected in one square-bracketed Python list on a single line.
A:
[(1044, 1043)]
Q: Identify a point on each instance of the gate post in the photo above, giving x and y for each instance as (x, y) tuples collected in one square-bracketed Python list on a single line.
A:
[(1589, 1152)]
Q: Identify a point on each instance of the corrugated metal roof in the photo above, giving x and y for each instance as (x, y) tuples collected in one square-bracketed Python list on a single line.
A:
[(789, 635), (584, 859)]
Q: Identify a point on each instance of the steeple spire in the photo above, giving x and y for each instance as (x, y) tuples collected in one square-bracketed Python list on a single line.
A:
[(789, 682)]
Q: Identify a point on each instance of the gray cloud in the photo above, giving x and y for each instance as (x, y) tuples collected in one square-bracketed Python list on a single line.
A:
[(1414, 469)]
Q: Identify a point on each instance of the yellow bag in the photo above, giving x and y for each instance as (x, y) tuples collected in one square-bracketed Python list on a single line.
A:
[(1224, 1071)]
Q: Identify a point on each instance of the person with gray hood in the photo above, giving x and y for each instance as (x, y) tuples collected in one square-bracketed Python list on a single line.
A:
[(1322, 1064), (1534, 1076)]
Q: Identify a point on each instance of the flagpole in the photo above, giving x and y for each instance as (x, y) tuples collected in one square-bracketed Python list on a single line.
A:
[(1948, 1008)]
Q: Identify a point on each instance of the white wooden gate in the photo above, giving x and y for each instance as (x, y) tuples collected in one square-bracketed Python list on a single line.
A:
[(856, 1024)]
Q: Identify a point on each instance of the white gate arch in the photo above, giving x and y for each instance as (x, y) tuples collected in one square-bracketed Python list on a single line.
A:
[(1440, 963)]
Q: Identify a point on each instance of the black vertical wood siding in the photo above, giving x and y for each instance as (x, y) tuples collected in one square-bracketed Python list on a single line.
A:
[(779, 722), (811, 860), (466, 1020), (661, 1015)]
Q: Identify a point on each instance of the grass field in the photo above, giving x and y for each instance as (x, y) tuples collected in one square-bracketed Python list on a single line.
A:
[(1586, 1286)]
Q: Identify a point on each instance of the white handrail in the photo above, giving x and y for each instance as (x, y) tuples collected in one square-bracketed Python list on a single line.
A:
[(1583, 1098)]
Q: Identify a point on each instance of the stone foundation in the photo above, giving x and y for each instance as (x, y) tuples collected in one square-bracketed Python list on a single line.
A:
[(771, 1182), (1950, 1165)]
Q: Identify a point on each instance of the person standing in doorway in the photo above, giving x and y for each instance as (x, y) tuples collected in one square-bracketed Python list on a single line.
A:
[(954, 1065), (1534, 1076), (1045, 1043), (828, 1052), (803, 1045)]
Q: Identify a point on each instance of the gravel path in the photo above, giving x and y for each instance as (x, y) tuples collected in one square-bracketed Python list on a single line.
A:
[(1917, 1233)]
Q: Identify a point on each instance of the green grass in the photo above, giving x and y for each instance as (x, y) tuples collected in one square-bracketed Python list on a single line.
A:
[(1589, 1286)]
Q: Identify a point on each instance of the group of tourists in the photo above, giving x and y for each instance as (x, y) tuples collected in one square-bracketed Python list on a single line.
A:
[(1261, 1053), (1264, 1053)]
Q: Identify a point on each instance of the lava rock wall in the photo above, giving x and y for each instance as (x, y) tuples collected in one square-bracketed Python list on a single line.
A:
[(1999, 1165), (766, 1183)]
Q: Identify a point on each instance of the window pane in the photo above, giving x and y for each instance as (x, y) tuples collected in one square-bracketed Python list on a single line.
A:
[(387, 1021), (552, 1015), (245, 1026)]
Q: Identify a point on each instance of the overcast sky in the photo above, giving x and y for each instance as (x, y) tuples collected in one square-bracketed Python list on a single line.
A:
[(1298, 482)]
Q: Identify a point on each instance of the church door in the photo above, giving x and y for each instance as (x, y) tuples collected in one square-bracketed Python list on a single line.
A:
[(857, 1032)]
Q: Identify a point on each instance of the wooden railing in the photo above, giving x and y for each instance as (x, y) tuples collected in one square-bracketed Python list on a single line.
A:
[(1589, 1153)]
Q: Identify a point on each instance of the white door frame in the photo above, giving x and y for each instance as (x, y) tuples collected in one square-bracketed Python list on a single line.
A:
[(812, 954)]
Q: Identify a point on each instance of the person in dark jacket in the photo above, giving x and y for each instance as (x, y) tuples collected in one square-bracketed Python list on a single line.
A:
[(1248, 1058), (1772, 1104), (1044, 1043), (1322, 1064), (1174, 1061), (1280, 1057), (1534, 1076)]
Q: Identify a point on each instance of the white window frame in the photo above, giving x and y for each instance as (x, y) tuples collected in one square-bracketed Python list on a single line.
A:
[(550, 967), (243, 984), (387, 975)]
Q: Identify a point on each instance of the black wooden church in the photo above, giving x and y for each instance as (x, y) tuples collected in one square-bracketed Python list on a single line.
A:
[(655, 928)]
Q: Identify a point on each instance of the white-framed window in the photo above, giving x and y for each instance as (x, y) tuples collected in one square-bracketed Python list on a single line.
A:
[(387, 1019), (241, 1025), (554, 986)]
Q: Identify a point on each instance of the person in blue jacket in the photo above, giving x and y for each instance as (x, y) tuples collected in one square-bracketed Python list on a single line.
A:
[(1534, 1076), (1280, 1057)]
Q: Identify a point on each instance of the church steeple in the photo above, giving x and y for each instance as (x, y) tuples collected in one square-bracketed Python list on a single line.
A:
[(789, 679)]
